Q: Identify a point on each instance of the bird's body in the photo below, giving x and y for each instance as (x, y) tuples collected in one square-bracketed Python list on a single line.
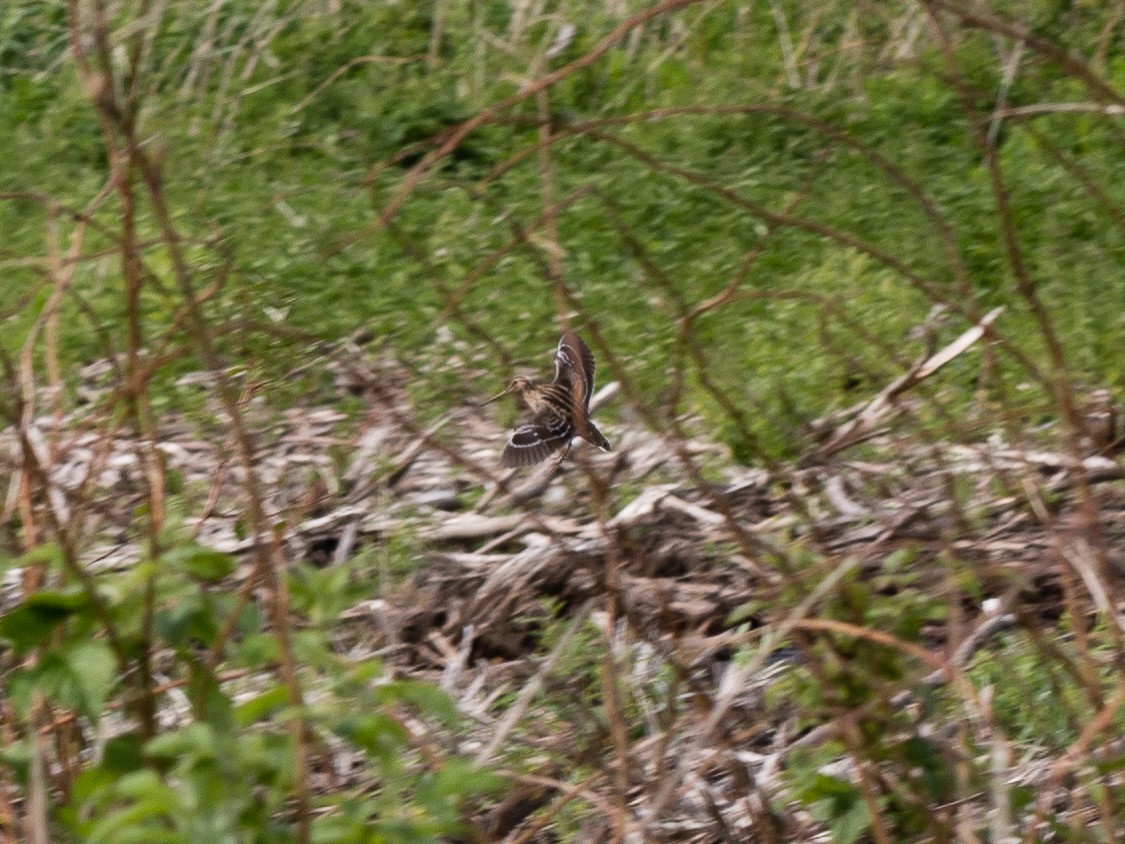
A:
[(560, 409)]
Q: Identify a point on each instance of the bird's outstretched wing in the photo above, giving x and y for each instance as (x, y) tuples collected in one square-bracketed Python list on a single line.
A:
[(574, 365), (536, 441)]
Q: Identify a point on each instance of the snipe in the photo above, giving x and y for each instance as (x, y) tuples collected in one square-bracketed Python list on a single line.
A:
[(561, 409)]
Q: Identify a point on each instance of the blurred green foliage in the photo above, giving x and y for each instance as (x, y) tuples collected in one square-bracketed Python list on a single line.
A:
[(225, 769)]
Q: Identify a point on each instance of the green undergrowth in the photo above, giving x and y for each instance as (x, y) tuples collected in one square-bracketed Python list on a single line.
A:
[(222, 766)]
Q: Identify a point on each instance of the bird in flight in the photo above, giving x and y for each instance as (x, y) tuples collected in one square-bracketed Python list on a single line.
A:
[(560, 409)]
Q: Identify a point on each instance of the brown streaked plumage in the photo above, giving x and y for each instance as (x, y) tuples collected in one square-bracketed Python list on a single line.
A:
[(560, 410)]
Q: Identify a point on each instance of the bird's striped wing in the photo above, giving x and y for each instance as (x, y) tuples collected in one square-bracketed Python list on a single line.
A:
[(574, 365), (536, 441)]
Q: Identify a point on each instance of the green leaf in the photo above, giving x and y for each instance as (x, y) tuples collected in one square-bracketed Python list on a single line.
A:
[(426, 696), (849, 826), (77, 677), (924, 756), (194, 740), (202, 563), (186, 622), (378, 734), (839, 804), (322, 594), (93, 668), (260, 706), (46, 554), (151, 799), (17, 758), (462, 779), (743, 611), (123, 755), (33, 621), (256, 650)]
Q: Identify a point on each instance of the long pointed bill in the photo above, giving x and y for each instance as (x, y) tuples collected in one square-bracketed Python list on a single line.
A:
[(507, 392)]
